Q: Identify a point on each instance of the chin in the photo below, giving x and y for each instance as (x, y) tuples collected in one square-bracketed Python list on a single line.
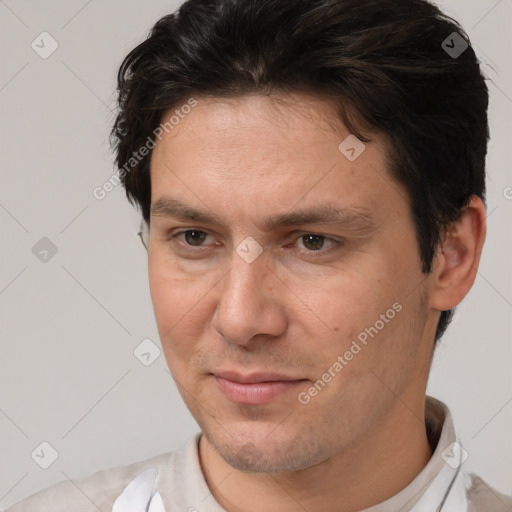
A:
[(280, 454)]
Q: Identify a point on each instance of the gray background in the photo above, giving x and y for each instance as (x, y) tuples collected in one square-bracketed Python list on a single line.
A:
[(69, 325)]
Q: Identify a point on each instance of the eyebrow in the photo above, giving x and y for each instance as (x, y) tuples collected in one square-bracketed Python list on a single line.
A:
[(356, 219)]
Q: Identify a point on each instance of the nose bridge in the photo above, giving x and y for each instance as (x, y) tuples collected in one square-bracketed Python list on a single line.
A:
[(248, 304), (245, 281)]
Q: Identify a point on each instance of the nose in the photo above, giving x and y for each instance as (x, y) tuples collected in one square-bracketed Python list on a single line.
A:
[(250, 305)]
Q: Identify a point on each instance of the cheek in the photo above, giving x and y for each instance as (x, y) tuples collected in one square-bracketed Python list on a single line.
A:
[(366, 311), (347, 302), (181, 306)]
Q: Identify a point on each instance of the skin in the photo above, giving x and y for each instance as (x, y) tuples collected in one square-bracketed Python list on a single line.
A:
[(298, 305)]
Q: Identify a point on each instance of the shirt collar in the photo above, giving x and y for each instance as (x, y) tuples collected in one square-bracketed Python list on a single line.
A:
[(440, 486)]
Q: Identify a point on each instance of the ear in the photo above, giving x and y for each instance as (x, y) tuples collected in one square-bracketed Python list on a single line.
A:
[(456, 261)]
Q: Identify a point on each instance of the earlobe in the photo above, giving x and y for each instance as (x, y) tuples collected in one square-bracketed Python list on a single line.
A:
[(457, 259)]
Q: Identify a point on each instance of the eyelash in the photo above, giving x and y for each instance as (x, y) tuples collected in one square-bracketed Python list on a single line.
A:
[(335, 244)]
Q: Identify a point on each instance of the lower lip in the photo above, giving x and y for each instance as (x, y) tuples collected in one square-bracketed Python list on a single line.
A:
[(256, 393)]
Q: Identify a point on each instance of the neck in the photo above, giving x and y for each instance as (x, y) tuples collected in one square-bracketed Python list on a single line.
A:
[(377, 467)]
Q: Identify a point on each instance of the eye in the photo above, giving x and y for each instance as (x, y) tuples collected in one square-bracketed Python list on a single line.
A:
[(192, 237), (313, 242), (307, 242)]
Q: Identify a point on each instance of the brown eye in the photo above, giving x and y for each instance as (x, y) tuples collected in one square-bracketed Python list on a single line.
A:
[(194, 237), (313, 242)]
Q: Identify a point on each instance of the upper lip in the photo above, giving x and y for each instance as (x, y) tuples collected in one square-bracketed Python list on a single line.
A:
[(254, 377)]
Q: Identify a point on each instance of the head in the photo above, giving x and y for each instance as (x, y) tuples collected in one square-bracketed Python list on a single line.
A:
[(273, 247)]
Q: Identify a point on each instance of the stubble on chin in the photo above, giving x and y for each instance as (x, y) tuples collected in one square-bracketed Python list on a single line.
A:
[(267, 453)]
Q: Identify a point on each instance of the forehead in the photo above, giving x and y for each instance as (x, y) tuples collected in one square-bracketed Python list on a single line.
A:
[(276, 151), (276, 120)]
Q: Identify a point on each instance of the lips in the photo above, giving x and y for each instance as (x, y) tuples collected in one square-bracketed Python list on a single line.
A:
[(255, 388)]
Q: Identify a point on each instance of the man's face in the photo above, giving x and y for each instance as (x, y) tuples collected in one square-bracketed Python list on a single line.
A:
[(333, 312)]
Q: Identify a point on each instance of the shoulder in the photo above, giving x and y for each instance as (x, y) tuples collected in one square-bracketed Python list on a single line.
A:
[(95, 492), (483, 498)]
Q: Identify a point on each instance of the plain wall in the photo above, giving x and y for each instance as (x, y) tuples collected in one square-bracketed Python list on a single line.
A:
[(69, 326)]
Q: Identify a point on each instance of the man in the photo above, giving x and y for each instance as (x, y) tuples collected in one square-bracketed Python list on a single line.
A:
[(312, 197)]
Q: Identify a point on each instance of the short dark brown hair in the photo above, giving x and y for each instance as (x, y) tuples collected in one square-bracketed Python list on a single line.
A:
[(386, 60)]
